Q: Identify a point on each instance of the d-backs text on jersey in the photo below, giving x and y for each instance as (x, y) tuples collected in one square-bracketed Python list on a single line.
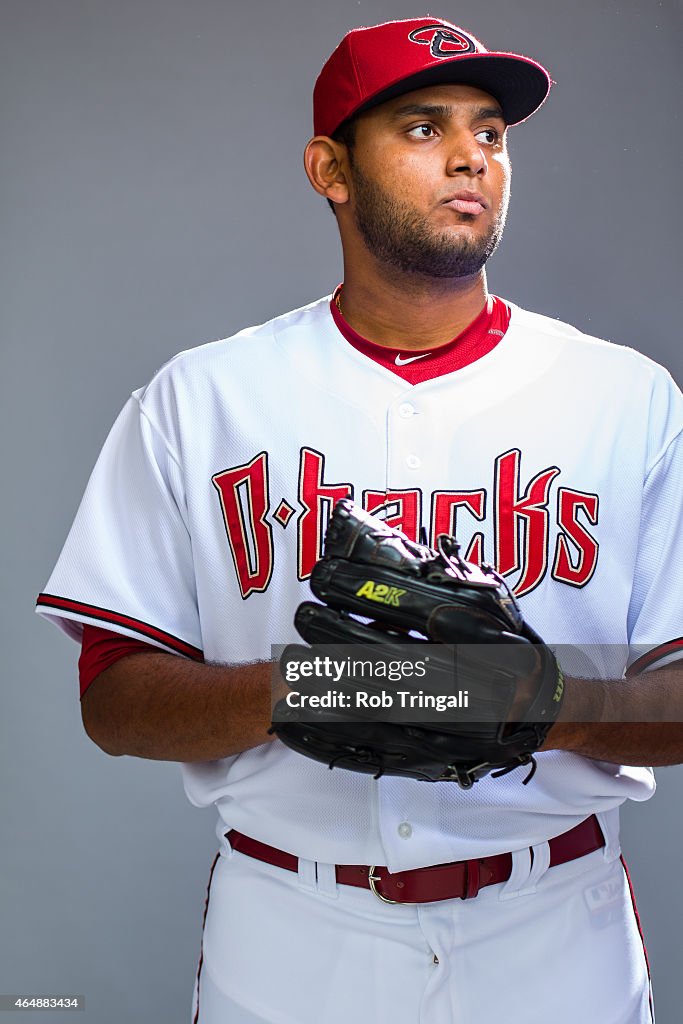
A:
[(519, 519)]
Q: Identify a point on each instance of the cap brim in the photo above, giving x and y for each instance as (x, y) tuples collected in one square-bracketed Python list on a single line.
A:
[(519, 84)]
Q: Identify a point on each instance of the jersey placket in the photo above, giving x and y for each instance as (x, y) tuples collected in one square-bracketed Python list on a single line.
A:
[(408, 457)]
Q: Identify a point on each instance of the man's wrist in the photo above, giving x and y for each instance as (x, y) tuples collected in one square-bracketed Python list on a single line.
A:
[(583, 705)]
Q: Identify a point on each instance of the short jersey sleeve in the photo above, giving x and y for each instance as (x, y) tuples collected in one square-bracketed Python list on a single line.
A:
[(127, 561), (656, 608)]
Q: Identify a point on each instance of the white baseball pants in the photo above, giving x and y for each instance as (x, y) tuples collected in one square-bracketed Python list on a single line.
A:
[(557, 944)]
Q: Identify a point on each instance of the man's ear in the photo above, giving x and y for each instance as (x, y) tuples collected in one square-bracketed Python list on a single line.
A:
[(325, 162)]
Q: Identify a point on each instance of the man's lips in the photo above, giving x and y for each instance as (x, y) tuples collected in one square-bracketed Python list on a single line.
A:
[(467, 202)]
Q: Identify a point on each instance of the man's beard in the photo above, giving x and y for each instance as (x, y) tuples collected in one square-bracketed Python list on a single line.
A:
[(398, 235)]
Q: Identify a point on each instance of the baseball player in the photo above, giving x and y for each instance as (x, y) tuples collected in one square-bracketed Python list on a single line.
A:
[(554, 456)]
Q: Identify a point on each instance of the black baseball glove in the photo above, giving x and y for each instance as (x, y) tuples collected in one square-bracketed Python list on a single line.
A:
[(419, 600)]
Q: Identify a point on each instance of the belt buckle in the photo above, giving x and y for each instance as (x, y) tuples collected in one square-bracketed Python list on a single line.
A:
[(471, 887), (373, 879)]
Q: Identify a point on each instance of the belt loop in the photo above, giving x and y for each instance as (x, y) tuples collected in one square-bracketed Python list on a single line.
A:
[(540, 863), (327, 880), (519, 876), (308, 878)]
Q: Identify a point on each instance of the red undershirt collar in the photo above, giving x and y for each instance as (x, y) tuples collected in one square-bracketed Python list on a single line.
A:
[(415, 366)]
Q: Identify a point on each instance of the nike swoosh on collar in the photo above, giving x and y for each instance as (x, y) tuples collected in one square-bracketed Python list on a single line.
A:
[(410, 359)]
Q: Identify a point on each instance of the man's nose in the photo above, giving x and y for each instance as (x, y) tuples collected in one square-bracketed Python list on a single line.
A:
[(466, 155)]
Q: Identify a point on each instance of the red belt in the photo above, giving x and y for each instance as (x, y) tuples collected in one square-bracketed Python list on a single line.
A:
[(460, 880)]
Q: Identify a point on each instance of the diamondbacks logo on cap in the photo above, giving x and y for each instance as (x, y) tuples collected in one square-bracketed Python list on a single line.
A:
[(442, 41)]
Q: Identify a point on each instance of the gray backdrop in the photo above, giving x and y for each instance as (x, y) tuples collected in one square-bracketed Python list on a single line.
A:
[(153, 199)]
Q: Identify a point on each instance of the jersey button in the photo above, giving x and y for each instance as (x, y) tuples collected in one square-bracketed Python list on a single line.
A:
[(405, 830), (406, 410), (413, 462)]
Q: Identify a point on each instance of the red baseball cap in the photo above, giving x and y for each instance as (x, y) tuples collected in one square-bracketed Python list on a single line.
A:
[(378, 63)]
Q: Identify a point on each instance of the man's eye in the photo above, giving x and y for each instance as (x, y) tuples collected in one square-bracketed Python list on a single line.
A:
[(422, 131), (490, 136)]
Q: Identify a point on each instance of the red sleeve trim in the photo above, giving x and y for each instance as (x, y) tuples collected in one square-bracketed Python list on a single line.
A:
[(106, 615), (100, 648), (655, 655)]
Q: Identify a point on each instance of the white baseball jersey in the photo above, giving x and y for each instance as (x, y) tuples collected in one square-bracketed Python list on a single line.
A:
[(557, 457)]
